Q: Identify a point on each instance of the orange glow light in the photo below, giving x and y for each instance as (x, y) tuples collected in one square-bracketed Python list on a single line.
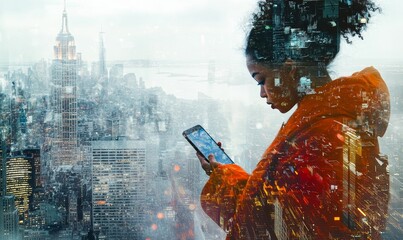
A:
[(177, 168), (154, 226), (340, 137), (336, 218), (160, 215)]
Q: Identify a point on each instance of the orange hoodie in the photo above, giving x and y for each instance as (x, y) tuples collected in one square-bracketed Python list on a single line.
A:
[(317, 177)]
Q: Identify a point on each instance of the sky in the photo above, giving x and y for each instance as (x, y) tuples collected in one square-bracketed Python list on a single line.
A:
[(152, 29), (162, 29)]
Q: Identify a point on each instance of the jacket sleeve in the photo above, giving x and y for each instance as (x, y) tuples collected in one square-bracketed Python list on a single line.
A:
[(220, 194)]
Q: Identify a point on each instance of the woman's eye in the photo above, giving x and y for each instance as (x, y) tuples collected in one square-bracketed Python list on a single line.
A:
[(261, 83)]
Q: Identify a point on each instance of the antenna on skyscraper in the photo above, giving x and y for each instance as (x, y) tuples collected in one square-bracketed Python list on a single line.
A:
[(65, 28), (103, 72)]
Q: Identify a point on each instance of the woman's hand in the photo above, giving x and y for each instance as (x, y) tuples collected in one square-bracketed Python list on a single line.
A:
[(211, 164)]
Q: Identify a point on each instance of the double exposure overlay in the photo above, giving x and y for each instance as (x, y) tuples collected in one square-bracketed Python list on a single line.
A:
[(95, 96), (323, 176)]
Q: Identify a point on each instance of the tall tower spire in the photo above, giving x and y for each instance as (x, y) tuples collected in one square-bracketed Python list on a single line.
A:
[(65, 27), (65, 47), (102, 65)]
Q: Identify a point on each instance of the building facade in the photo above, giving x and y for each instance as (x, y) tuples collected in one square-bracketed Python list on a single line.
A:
[(8, 218), (20, 184), (118, 188)]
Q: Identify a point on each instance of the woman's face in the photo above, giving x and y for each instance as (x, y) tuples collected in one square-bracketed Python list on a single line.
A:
[(276, 83)]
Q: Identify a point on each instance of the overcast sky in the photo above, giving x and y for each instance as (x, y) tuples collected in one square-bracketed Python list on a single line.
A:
[(155, 29), (161, 29)]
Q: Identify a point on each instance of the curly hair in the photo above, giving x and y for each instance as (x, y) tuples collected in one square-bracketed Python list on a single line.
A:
[(305, 30), (357, 8)]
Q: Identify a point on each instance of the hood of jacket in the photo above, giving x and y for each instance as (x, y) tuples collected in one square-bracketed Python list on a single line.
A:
[(360, 100)]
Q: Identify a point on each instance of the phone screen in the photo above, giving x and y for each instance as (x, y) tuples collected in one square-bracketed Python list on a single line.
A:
[(206, 145)]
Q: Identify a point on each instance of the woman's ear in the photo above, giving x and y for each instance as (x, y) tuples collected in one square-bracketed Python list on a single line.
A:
[(290, 64)]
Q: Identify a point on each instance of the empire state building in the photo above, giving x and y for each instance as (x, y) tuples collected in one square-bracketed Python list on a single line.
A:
[(64, 98)]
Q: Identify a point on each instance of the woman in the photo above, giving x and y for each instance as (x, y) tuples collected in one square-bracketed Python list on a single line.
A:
[(322, 177)]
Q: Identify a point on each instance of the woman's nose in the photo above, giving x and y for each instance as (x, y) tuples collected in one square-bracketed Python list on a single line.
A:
[(262, 92)]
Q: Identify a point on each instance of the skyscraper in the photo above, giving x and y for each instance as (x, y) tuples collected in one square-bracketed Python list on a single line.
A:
[(103, 72), (351, 150), (35, 154), (64, 98), (8, 218), (20, 183), (118, 188)]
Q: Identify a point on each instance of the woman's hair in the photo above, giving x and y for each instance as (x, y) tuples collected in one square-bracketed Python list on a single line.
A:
[(305, 30)]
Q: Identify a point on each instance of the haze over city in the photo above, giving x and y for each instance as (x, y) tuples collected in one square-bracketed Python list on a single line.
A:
[(96, 123)]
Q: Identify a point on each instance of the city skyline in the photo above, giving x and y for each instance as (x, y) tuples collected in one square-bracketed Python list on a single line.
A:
[(126, 123)]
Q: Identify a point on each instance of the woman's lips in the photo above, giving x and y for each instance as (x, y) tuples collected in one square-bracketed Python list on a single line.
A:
[(271, 105)]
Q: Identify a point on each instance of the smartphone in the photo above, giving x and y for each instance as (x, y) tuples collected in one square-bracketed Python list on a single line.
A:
[(205, 144)]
